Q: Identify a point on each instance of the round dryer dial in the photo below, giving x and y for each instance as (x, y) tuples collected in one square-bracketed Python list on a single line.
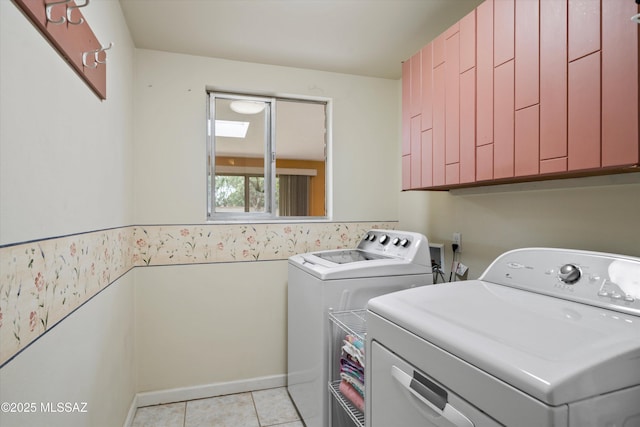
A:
[(569, 273)]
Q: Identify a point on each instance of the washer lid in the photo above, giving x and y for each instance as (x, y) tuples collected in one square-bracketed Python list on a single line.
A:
[(555, 350), (345, 264)]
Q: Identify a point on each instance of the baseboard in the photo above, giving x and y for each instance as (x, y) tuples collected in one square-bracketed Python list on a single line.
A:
[(132, 411), (149, 398)]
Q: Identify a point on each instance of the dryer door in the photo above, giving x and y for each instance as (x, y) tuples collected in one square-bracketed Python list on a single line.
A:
[(403, 396)]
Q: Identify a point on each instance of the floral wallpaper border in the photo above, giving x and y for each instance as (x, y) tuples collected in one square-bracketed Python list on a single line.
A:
[(42, 282)]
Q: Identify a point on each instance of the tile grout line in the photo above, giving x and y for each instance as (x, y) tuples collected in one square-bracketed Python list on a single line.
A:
[(255, 409)]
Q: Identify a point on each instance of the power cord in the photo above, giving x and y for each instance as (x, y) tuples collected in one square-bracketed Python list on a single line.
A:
[(436, 270), (454, 248)]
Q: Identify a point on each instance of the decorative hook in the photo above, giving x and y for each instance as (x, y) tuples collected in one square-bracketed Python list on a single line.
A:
[(96, 58), (62, 19), (103, 49), (70, 10), (84, 59)]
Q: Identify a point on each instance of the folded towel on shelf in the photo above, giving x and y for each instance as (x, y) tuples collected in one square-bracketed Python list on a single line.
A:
[(355, 383), (351, 395), (357, 342), (351, 368), (352, 350)]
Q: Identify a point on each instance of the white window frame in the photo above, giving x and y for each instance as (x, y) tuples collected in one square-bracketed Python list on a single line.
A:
[(270, 161)]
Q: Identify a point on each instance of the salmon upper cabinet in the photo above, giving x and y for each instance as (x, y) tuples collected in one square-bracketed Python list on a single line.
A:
[(523, 90)]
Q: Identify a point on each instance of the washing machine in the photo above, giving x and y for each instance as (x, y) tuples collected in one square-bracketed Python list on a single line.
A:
[(544, 338), (384, 261)]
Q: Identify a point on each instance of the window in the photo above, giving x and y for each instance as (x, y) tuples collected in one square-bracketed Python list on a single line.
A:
[(266, 157)]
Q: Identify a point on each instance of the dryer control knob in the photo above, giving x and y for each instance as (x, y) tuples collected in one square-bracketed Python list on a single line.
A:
[(569, 274), (384, 239)]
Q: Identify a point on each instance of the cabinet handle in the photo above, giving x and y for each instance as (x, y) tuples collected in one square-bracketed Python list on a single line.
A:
[(431, 395)]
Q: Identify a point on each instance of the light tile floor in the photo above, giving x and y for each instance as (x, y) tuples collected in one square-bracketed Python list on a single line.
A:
[(263, 408)]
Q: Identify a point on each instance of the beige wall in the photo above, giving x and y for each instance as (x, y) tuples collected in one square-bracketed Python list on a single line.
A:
[(170, 114), (227, 322), (599, 214), (66, 167), (205, 324), (87, 358), (65, 164)]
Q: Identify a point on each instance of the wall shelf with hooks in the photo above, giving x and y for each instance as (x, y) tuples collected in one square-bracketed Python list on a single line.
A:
[(61, 22)]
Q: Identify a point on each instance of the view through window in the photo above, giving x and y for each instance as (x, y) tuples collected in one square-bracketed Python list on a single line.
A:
[(266, 157)]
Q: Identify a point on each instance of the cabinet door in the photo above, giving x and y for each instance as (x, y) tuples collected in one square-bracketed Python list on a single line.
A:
[(553, 85), (406, 172), (416, 156), (620, 72), (416, 84), (527, 53), (427, 87), (504, 31), (584, 27), (503, 121), (468, 126), (427, 158), (468, 42), (452, 98), (527, 152), (484, 68), (484, 162), (438, 125), (406, 108), (438, 50), (584, 113)]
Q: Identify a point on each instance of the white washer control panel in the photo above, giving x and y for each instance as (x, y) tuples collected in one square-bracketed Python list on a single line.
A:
[(604, 280), (401, 244)]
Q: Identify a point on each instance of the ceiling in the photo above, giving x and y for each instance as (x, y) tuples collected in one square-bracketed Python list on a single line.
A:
[(362, 37)]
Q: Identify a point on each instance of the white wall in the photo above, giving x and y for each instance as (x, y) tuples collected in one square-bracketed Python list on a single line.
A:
[(66, 167), (599, 214), (170, 114)]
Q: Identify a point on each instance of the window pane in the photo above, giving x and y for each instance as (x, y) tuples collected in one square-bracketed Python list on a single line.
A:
[(230, 192), (256, 193), (300, 152), (240, 131), (232, 140)]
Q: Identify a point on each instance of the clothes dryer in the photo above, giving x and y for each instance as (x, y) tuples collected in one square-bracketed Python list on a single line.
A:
[(545, 338)]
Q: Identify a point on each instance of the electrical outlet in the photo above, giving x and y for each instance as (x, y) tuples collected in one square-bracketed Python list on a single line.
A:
[(457, 240)]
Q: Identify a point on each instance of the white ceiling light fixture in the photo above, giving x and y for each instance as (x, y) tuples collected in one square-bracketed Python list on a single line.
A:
[(247, 107)]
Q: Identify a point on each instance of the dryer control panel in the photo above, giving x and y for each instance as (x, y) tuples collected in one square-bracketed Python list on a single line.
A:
[(604, 280)]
